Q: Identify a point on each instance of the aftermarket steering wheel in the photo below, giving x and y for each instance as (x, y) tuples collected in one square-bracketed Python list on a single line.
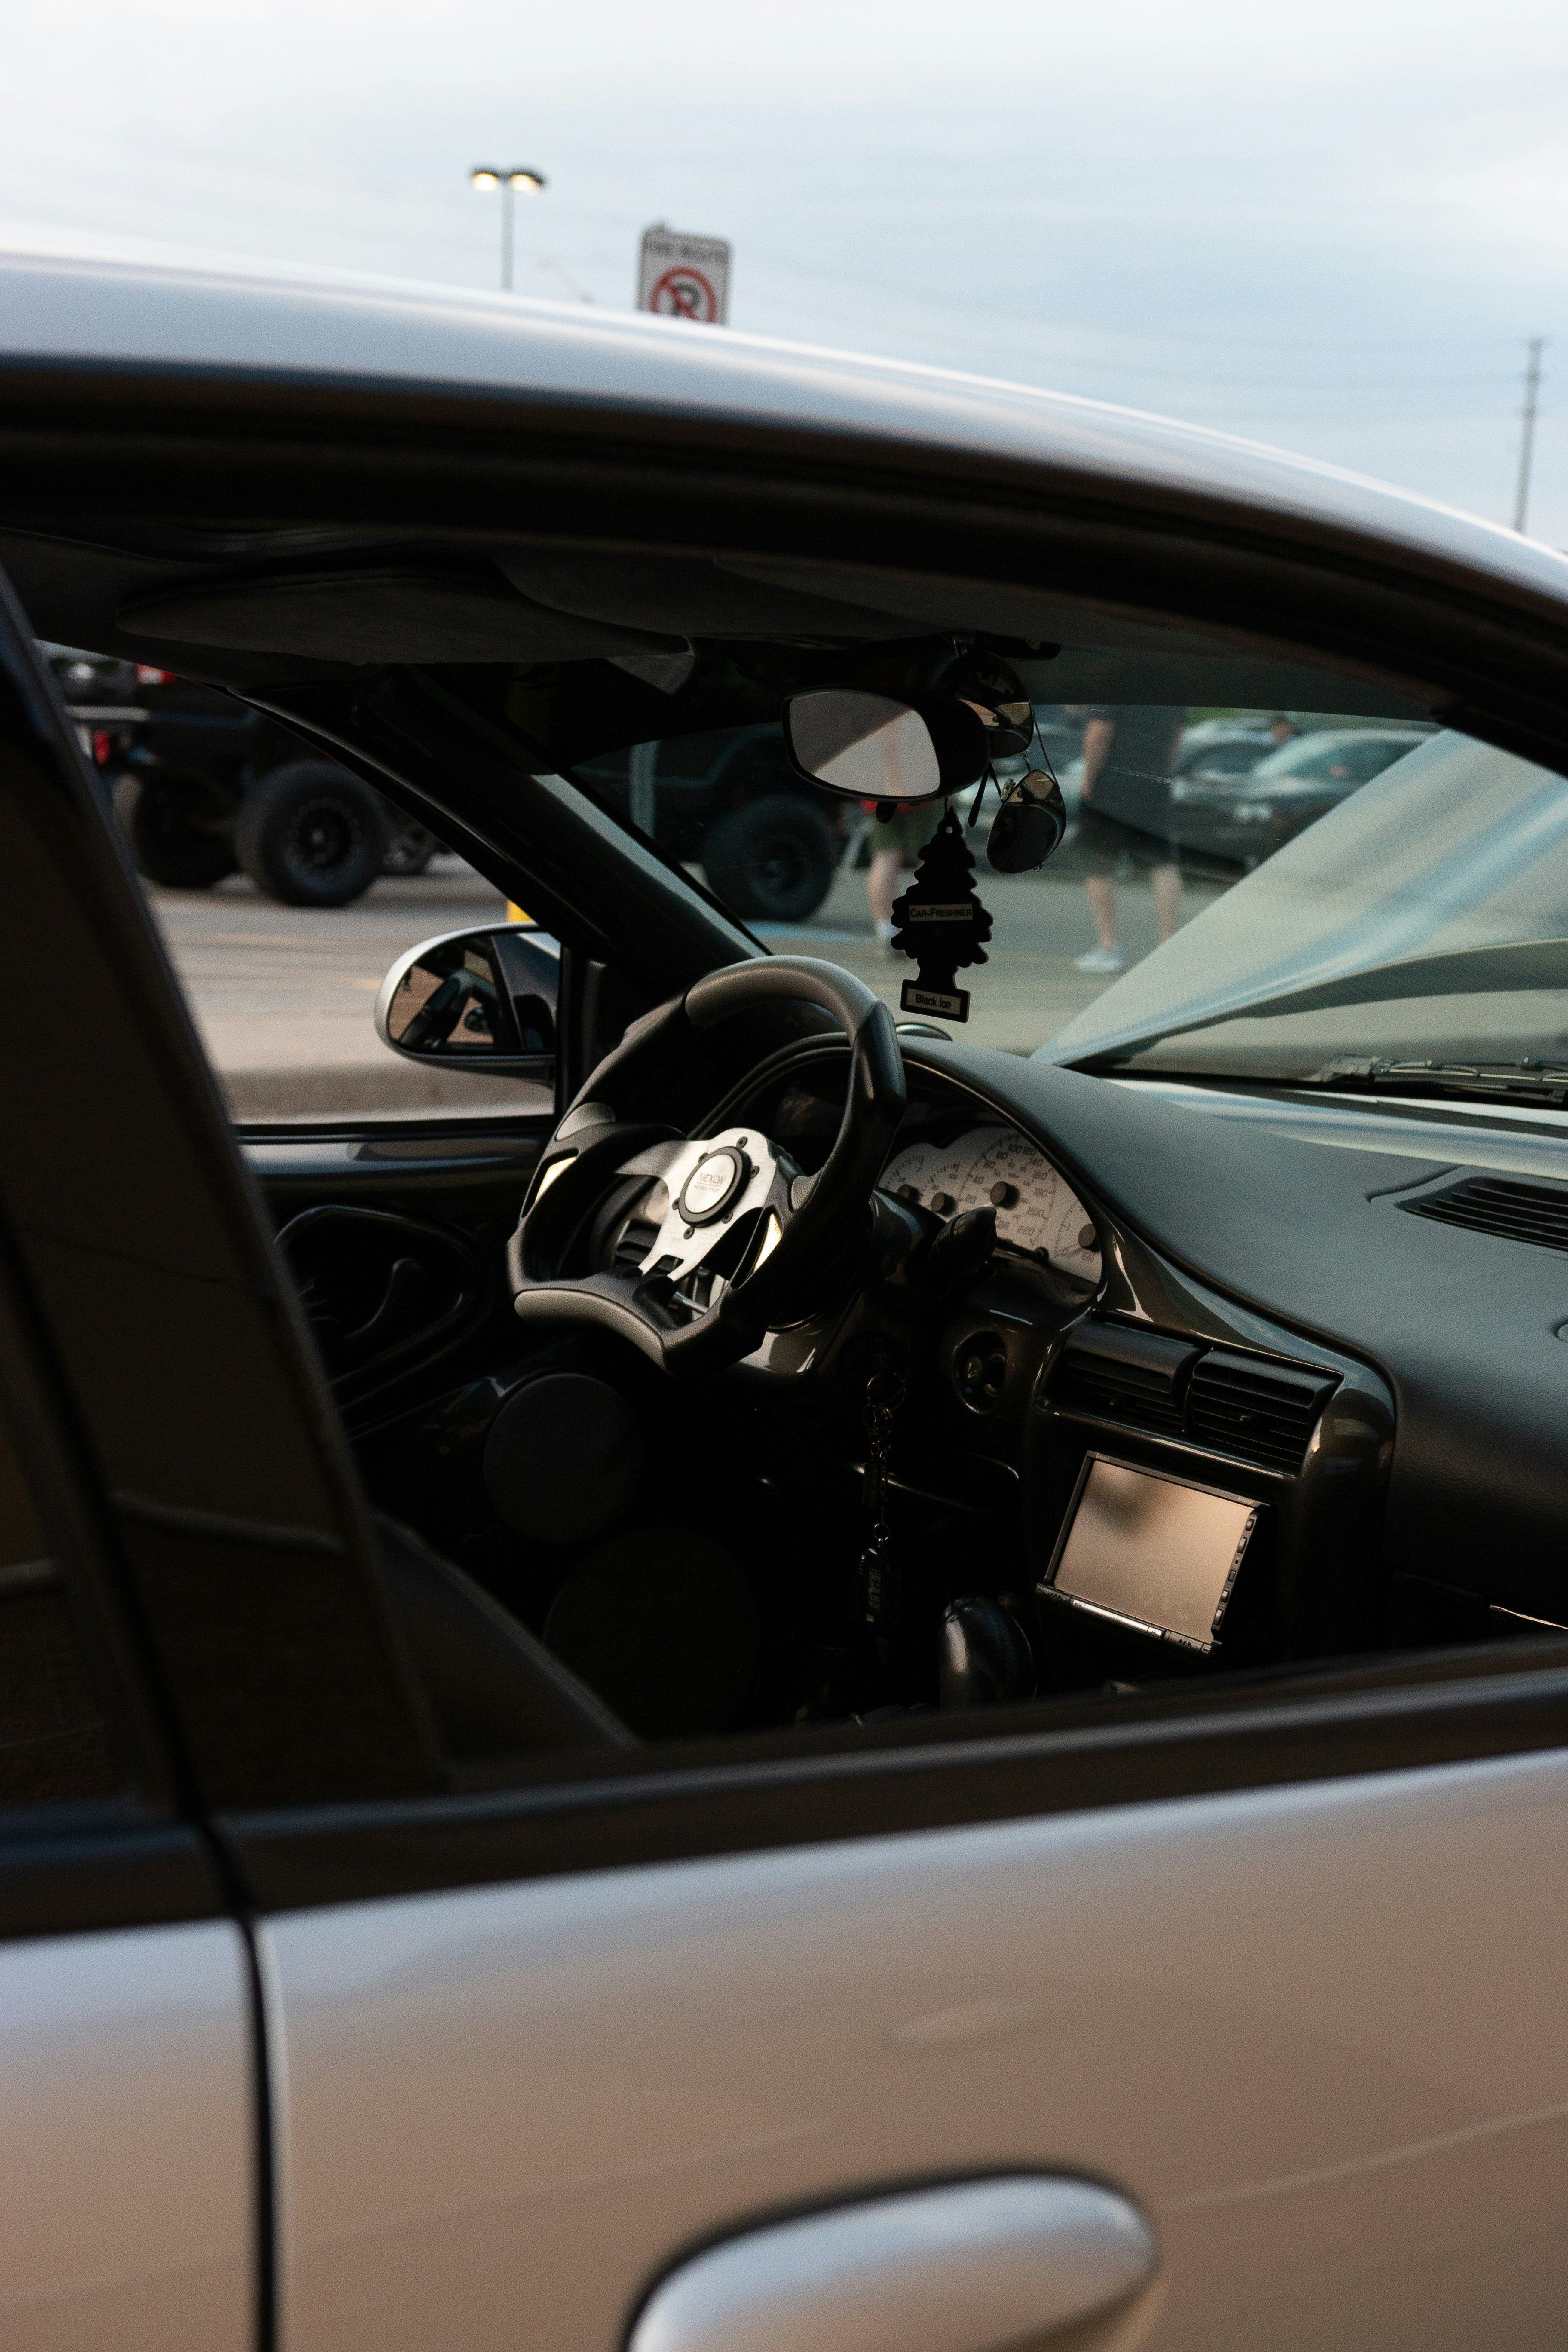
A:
[(801, 1234)]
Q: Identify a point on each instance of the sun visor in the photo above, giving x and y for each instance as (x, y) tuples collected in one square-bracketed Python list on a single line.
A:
[(1218, 682), (381, 615), (689, 597), (932, 602), (1105, 654)]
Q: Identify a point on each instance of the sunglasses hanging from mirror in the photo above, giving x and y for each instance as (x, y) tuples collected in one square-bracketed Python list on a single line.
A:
[(898, 753)]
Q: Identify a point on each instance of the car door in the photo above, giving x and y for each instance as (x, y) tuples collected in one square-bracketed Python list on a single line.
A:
[(1310, 2031), (1251, 2012)]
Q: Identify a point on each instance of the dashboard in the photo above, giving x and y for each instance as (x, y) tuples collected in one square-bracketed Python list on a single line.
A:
[(1290, 1303), (1164, 1247), (1166, 1479), (1418, 1250)]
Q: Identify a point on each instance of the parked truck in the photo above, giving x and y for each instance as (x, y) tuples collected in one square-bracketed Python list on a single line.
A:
[(204, 786)]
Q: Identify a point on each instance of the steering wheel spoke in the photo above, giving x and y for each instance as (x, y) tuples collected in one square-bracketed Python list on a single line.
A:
[(713, 1184)]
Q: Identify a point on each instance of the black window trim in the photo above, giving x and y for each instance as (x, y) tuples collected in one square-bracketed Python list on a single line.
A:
[(1423, 1711)]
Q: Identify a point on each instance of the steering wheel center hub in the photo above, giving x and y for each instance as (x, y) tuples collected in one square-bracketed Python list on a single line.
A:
[(718, 1180)]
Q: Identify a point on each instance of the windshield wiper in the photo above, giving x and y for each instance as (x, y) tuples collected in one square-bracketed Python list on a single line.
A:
[(1524, 1081)]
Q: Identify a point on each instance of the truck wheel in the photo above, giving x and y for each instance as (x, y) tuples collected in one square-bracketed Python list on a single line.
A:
[(310, 834), (168, 842), (409, 848), (774, 857)]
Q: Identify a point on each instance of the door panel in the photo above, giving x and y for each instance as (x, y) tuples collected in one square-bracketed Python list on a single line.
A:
[(396, 1242), (1314, 2033), (128, 2133)]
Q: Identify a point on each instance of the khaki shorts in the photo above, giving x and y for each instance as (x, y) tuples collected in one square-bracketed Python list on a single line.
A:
[(1103, 841), (908, 832)]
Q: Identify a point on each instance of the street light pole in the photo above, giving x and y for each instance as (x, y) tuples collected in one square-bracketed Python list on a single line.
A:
[(1527, 446), (488, 177)]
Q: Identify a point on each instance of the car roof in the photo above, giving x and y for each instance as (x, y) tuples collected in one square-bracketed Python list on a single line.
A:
[(1317, 736), (1319, 739), (88, 311)]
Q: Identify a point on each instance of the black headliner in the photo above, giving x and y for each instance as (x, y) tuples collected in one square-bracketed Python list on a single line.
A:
[(255, 608)]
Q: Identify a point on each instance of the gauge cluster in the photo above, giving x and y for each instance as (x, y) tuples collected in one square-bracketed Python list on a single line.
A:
[(1036, 1208)]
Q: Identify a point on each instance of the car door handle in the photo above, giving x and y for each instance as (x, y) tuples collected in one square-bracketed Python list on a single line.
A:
[(974, 2266)]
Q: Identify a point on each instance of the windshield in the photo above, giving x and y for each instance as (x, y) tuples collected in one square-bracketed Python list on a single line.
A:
[(1421, 919), (1306, 891)]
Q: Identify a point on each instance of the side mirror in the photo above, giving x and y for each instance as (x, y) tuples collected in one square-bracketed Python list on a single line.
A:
[(483, 1001), (872, 747)]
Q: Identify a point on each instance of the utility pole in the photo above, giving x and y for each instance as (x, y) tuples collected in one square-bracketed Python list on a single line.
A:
[(1527, 446)]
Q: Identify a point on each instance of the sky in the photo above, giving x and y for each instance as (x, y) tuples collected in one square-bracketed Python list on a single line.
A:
[(1332, 227)]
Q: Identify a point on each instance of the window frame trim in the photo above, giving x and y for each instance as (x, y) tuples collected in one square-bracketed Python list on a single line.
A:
[(1428, 1710)]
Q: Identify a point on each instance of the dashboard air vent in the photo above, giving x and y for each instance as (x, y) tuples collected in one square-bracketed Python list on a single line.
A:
[(1265, 1413), (1495, 1204), (1253, 1407), (1117, 1374)]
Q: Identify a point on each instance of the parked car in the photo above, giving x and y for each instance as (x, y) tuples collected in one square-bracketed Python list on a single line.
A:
[(1222, 747), (837, 1688), (205, 786), (1230, 823)]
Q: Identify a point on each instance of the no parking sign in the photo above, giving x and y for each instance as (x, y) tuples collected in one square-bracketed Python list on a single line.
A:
[(684, 276)]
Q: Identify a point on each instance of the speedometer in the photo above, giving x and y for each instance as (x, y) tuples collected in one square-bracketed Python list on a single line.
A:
[(1036, 1208)]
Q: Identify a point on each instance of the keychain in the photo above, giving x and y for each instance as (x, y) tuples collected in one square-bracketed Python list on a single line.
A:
[(878, 1580)]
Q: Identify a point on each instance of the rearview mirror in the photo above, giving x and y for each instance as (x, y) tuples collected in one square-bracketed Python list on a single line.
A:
[(873, 747), (482, 1000)]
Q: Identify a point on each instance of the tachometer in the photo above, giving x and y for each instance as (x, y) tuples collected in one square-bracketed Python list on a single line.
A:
[(931, 1173), (1035, 1209)]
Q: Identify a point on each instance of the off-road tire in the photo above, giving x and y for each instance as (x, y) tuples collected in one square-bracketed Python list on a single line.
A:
[(409, 848), (161, 818), (309, 835), (773, 859)]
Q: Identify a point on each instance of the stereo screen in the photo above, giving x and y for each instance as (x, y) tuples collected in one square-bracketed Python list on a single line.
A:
[(1156, 1552)]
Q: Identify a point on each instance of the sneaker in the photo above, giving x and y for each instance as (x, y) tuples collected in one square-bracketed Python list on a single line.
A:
[(1100, 959)]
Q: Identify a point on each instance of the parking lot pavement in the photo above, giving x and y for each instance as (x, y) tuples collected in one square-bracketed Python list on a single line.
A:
[(284, 996)]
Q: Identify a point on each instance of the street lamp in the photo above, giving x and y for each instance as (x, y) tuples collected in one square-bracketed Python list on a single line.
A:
[(488, 176)]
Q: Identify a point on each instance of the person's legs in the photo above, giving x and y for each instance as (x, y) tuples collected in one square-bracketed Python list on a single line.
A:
[(883, 877), (1101, 891), (1101, 842), (1167, 900)]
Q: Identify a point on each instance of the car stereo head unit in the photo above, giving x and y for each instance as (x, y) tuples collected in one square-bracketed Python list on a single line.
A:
[(1153, 1554)]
